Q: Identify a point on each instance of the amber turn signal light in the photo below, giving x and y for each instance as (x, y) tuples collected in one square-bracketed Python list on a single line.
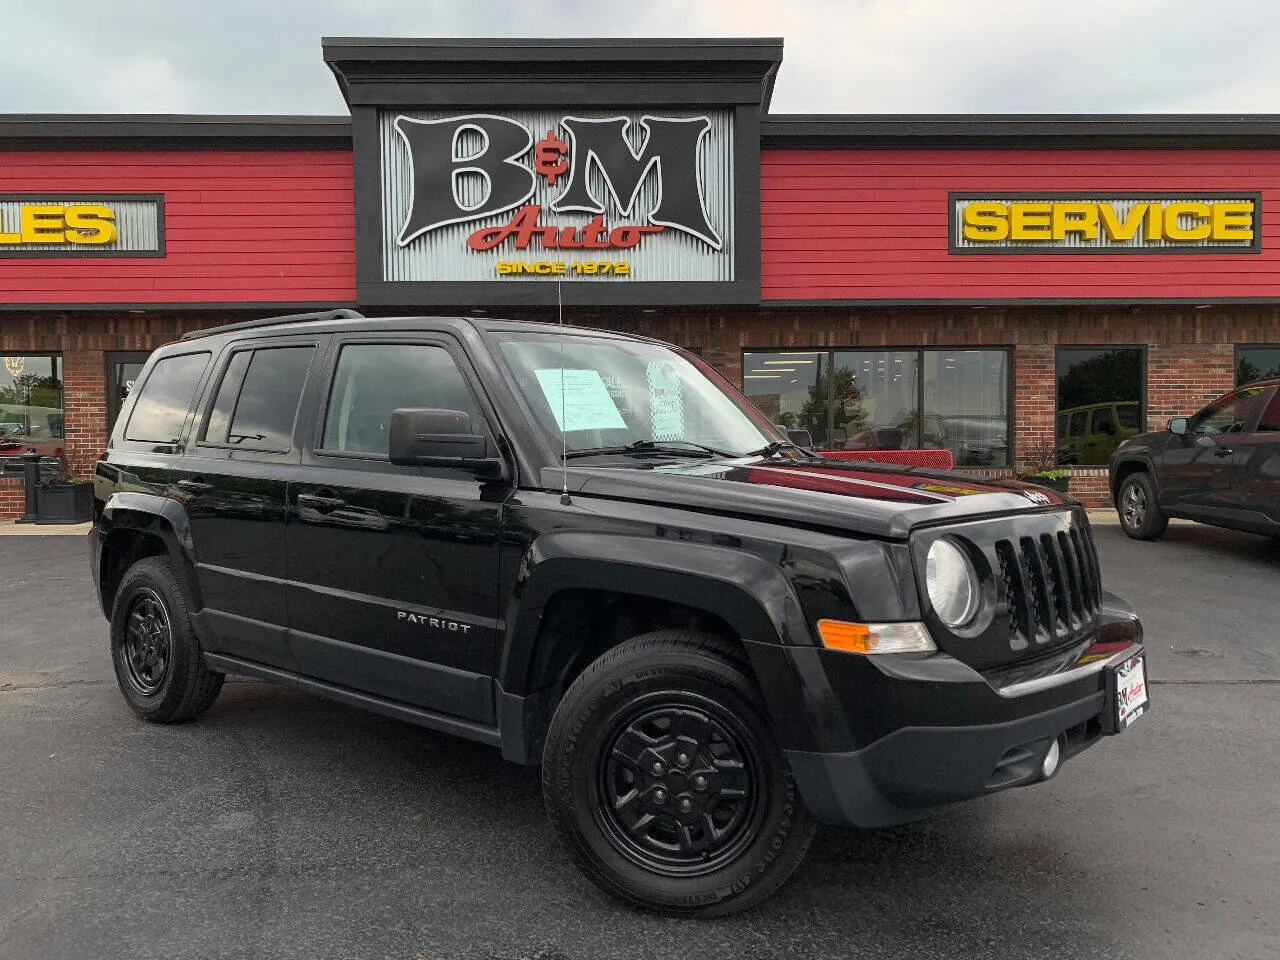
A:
[(875, 637)]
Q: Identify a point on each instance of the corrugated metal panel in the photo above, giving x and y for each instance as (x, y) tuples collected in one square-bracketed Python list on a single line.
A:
[(1122, 207), (443, 253), (137, 224)]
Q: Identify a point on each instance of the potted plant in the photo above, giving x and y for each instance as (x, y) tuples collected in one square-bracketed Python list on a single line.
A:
[(1042, 461), (62, 499)]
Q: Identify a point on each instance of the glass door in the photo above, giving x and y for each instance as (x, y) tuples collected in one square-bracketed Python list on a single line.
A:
[(122, 371)]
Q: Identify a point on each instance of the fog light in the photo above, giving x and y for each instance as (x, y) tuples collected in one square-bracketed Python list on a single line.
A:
[(1052, 759)]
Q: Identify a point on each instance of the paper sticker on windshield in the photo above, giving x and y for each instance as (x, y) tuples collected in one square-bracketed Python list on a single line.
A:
[(579, 400), (666, 404)]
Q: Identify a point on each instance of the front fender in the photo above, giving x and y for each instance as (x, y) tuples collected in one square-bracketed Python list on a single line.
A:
[(748, 592)]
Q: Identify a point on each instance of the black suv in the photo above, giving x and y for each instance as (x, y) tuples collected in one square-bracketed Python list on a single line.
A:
[(590, 551), (1221, 466)]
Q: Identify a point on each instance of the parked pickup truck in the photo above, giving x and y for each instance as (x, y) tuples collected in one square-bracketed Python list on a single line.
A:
[(591, 552)]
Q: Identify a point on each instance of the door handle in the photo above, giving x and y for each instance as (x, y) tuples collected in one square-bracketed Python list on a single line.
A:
[(194, 486), (1223, 452), (320, 503)]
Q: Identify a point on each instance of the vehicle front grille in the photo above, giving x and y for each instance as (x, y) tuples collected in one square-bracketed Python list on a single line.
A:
[(1049, 586)]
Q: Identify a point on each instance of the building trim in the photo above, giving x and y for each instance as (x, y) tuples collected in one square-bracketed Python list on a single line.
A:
[(32, 131)]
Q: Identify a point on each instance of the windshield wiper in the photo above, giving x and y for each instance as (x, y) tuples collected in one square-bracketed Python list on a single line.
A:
[(777, 446), (686, 448)]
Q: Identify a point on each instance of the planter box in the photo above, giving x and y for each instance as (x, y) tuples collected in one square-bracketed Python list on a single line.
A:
[(64, 503), (1059, 485)]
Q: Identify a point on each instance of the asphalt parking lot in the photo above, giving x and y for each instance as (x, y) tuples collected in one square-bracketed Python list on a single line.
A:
[(284, 826)]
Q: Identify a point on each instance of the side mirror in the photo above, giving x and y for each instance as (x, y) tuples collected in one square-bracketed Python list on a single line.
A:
[(440, 438), (1178, 425)]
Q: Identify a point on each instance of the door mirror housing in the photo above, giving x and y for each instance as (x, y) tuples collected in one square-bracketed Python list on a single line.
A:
[(441, 438), (1178, 426)]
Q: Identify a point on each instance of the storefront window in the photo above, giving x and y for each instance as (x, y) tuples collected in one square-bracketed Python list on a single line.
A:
[(889, 399), (791, 389), (966, 405), (1099, 401), (876, 396), (1257, 363), (31, 405)]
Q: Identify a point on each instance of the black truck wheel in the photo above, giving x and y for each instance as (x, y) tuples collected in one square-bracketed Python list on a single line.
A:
[(156, 655), (1140, 515), (662, 777)]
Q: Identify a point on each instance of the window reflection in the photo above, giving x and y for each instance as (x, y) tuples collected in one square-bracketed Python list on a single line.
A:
[(956, 400), (1099, 402), (1256, 363), (790, 388), (31, 405)]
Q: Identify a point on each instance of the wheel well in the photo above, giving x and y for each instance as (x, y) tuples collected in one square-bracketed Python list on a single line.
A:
[(122, 549), (1126, 469), (579, 625)]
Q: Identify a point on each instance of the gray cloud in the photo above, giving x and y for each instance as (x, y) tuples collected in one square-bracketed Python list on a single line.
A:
[(844, 56)]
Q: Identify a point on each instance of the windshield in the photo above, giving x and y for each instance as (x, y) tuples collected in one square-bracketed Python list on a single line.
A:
[(609, 394)]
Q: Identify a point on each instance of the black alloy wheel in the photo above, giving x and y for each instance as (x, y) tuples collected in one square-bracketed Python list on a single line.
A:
[(154, 649), (662, 777), (148, 643), (680, 784)]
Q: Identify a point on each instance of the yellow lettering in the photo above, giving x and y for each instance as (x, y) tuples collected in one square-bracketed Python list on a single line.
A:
[(502, 266), (986, 220), (1116, 229), (43, 224), (1030, 221), (542, 267), (1154, 223), (1197, 210), (1231, 220), (90, 223), (559, 267), (1075, 217)]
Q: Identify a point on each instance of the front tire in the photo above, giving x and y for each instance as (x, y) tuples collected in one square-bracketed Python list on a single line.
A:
[(157, 657), (1140, 515), (662, 777)]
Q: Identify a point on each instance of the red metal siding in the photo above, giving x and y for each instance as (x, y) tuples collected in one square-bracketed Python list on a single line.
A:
[(872, 225), (240, 227)]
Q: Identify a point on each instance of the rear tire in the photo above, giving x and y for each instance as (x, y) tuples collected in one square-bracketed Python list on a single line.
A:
[(1140, 515), (662, 777), (155, 652)]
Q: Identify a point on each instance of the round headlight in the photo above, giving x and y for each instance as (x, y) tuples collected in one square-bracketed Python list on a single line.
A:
[(952, 584)]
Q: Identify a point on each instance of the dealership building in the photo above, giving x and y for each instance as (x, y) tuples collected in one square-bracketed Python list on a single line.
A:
[(1013, 289)]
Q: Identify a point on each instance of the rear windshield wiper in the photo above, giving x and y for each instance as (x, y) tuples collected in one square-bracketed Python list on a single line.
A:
[(685, 448)]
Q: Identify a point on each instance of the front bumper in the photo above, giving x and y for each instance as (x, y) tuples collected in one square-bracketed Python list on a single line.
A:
[(935, 732)]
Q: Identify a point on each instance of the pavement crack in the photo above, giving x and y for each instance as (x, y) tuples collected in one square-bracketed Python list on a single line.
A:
[(47, 684)]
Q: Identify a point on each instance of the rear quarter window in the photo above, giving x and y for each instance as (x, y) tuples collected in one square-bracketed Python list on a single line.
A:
[(164, 401)]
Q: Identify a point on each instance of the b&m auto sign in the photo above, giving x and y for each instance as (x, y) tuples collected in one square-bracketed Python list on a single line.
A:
[(532, 195)]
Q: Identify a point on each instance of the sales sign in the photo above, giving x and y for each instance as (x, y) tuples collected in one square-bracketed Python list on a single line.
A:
[(81, 225), (534, 194), (1076, 223)]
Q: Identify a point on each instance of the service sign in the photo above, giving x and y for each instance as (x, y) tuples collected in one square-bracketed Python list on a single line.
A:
[(1135, 223), (81, 225), (538, 195)]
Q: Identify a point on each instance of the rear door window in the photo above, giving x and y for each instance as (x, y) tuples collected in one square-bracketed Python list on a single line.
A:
[(257, 401), (165, 399), (1103, 421)]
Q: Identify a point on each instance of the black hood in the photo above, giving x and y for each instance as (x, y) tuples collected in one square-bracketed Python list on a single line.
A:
[(881, 500)]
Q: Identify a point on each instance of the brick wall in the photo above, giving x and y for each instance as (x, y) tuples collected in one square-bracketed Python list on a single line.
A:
[(12, 497)]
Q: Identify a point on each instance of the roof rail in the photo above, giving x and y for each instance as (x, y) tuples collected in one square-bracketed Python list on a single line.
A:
[(342, 314)]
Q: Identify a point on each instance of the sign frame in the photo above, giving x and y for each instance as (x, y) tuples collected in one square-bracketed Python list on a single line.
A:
[(1255, 246), (88, 251)]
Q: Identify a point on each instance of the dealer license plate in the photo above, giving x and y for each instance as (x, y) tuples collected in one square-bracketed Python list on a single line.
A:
[(1131, 691)]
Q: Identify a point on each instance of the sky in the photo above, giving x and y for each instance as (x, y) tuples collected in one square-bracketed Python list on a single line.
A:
[(841, 56)]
